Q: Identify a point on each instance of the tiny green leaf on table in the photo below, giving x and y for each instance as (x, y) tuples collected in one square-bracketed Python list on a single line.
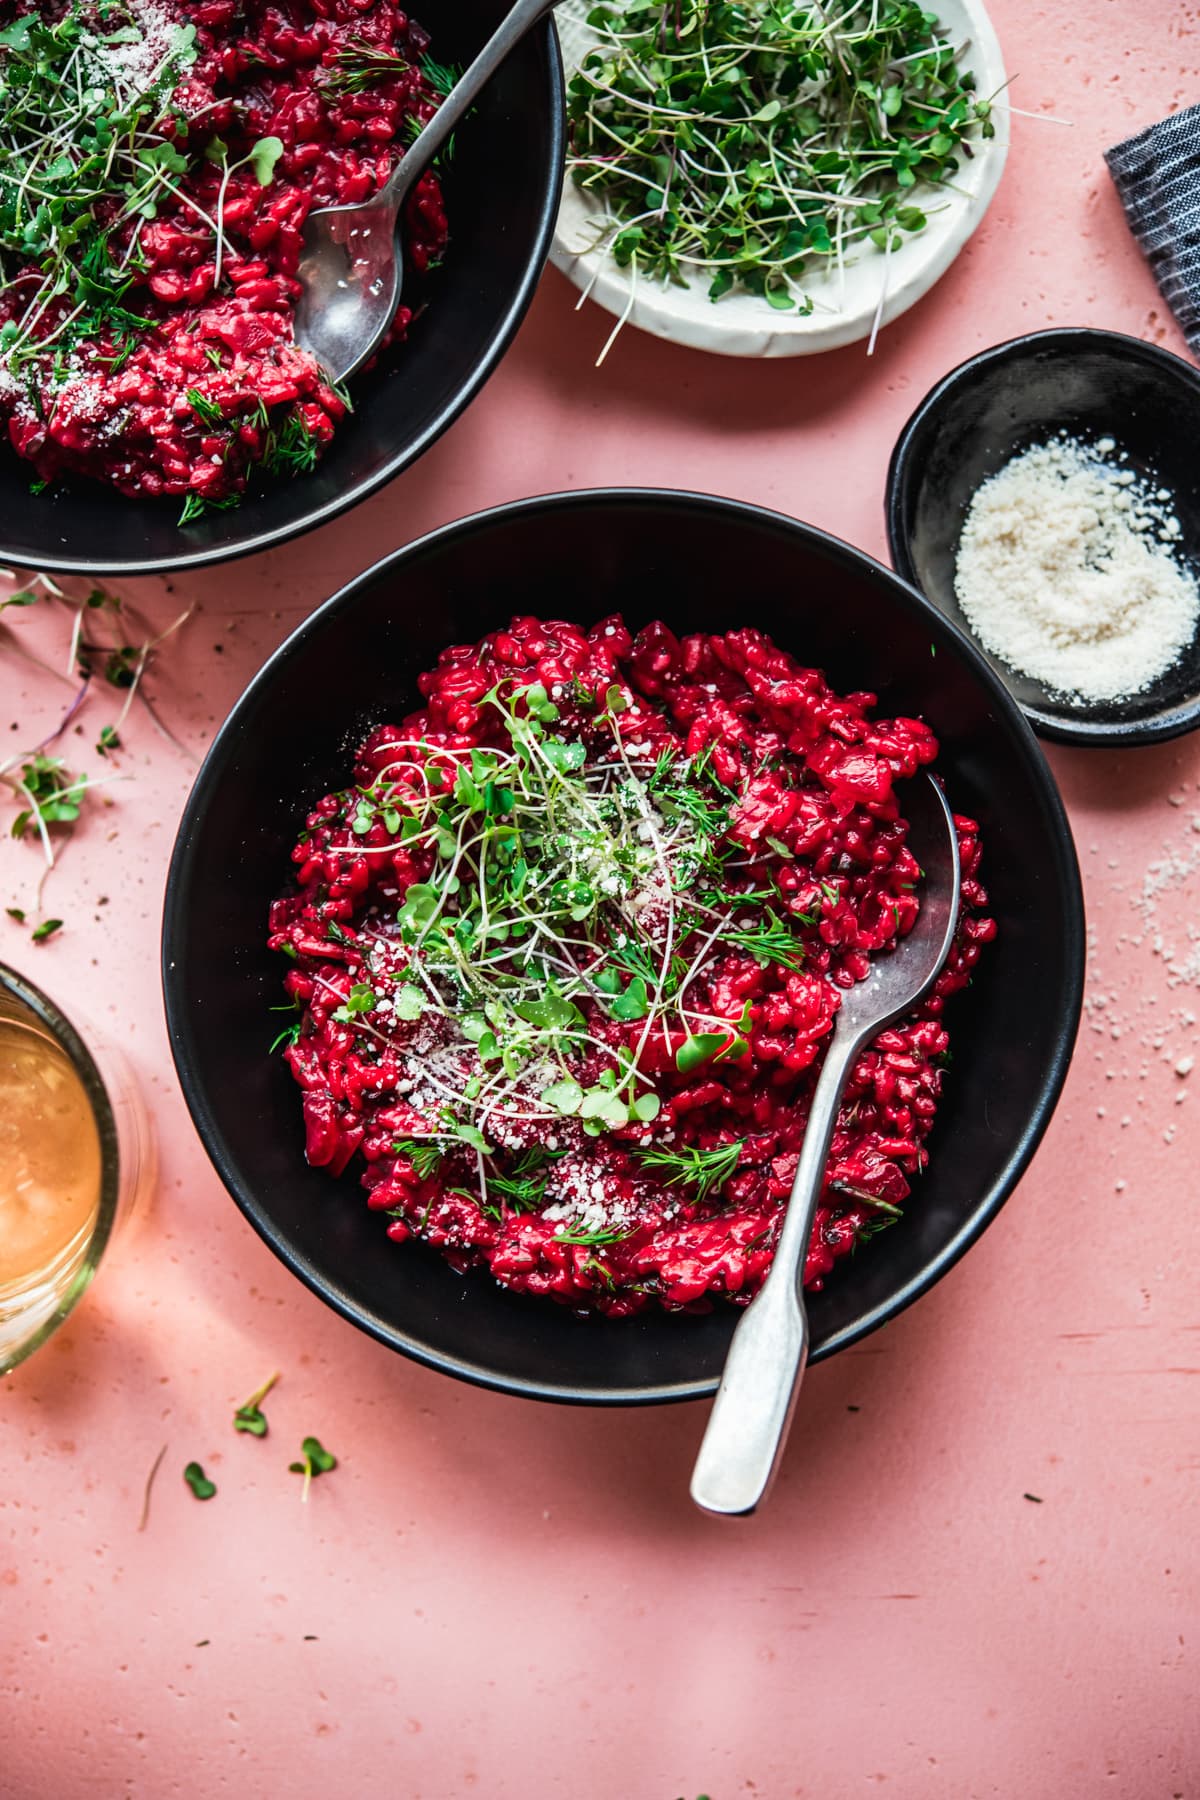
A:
[(315, 1460), (250, 1417), (198, 1481)]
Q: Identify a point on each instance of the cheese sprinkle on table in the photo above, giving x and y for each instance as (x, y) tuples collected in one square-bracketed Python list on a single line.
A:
[(1068, 568)]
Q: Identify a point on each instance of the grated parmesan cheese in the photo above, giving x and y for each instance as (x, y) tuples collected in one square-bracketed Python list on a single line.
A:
[(1068, 570), (119, 58)]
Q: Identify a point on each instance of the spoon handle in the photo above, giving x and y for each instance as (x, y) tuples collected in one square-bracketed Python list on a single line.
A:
[(749, 1421), (462, 96)]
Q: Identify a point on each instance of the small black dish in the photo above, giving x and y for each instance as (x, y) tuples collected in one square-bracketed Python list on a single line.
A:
[(502, 191), (290, 738), (1093, 384)]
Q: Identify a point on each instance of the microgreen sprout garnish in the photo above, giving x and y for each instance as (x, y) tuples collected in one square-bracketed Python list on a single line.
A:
[(45, 930), (564, 875), (315, 1460), (198, 1481), (607, 1235), (54, 797), (50, 798), (360, 999), (250, 1416), (705, 1171), (87, 159), (289, 1034), (747, 142), (871, 1228)]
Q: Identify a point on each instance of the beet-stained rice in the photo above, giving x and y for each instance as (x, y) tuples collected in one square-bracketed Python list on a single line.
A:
[(566, 954)]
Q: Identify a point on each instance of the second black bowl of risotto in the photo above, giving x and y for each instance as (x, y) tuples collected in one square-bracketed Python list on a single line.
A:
[(553, 845), (160, 161)]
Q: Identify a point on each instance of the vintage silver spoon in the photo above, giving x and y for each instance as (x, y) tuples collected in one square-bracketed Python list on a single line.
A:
[(351, 267), (749, 1422)]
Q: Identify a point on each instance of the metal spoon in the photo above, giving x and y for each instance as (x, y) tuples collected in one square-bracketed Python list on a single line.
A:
[(351, 268), (749, 1422)]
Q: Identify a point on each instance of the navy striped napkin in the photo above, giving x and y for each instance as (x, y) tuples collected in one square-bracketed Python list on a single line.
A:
[(1157, 174)]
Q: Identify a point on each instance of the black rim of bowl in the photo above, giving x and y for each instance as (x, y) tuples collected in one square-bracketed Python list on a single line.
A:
[(1093, 733), (506, 330), (224, 749)]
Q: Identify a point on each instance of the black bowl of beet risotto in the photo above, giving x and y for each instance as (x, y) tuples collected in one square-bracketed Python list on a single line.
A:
[(1045, 496), (155, 410), (551, 840)]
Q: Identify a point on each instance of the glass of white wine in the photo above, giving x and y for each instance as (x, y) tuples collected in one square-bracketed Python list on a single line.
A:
[(75, 1151)]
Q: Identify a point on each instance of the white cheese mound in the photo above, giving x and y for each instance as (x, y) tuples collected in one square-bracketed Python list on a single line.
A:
[(133, 64), (1068, 569)]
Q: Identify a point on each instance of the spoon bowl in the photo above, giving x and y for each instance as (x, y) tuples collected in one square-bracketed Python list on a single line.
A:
[(351, 265), (351, 273), (752, 1413)]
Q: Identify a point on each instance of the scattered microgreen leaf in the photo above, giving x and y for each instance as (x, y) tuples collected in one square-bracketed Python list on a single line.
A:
[(315, 1460), (249, 1416), (753, 144), (198, 1481)]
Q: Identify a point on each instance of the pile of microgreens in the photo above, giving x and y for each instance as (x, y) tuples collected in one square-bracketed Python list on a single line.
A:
[(559, 876), (85, 165), (109, 648), (749, 142)]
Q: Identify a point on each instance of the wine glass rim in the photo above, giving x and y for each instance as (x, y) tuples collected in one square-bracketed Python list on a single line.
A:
[(47, 1012)]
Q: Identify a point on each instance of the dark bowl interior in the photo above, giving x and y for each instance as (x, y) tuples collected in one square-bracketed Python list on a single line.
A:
[(502, 189), (289, 740), (1093, 384)]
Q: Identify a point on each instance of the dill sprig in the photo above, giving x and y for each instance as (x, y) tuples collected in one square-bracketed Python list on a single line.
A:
[(425, 1158), (706, 1171)]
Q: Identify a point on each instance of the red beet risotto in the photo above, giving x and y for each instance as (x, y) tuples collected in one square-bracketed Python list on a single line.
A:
[(159, 162), (566, 954)]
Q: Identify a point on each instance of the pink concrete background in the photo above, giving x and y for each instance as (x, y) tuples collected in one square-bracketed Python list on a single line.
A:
[(490, 1597)]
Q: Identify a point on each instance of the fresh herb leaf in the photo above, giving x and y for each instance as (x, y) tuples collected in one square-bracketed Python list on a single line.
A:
[(249, 1416), (198, 1481), (314, 1460), (706, 1171), (360, 999), (263, 158), (426, 1158), (747, 146)]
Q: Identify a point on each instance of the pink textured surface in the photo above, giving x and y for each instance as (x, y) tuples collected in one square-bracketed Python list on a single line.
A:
[(516, 1601)]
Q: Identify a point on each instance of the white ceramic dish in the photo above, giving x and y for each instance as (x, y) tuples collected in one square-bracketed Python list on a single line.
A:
[(846, 304)]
